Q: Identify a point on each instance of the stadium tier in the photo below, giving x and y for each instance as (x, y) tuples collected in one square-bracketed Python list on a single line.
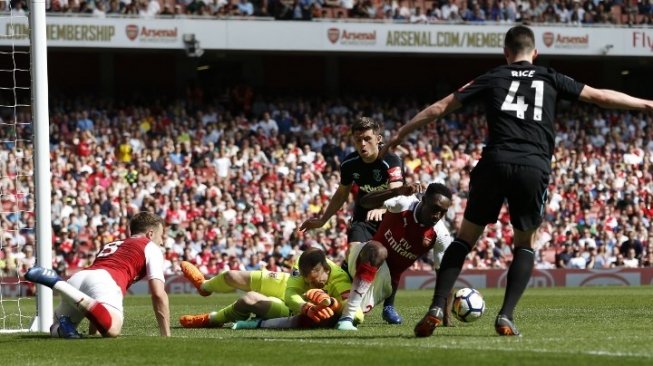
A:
[(233, 130)]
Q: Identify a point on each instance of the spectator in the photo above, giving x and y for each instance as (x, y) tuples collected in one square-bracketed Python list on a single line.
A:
[(245, 8)]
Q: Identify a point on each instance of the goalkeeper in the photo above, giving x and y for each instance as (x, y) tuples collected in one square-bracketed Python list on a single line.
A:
[(273, 294)]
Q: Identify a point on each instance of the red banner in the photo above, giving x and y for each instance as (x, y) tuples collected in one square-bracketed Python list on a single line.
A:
[(493, 278), (413, 280)]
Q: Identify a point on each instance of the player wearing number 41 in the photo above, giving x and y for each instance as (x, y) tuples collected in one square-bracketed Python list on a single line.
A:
[(519, 103), (97, 292)]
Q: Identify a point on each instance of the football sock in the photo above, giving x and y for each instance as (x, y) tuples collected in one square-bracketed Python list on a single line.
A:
[(277, 310), (100, 317), (519, 275), (365, 274), (283, 323), (452, 263), (217, 284), (229, 314), (95, 311), (390, 300), (74, 297), (213, 318)]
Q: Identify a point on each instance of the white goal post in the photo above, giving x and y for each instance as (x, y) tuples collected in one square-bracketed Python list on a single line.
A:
[(42, 176), (24, 178)]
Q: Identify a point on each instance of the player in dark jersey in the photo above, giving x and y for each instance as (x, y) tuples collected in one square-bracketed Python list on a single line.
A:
[(369, 173), (96, 293), (519, 103)]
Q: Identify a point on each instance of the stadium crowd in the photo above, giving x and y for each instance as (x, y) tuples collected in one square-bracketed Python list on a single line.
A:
[(235, 176), (575, 12)]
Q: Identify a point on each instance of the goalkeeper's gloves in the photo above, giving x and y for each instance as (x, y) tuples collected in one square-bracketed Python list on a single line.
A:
[(322, 299), (316, 313), (334, 305), (318, 297)]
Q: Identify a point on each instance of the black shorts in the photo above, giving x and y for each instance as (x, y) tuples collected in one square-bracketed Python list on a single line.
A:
[(362, 231), (524, 188)]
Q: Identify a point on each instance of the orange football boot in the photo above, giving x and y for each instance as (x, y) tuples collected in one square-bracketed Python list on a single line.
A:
[(194, 275)]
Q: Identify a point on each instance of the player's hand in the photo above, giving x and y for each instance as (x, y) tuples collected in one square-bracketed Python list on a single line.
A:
[(376, 214), (316, 313), (335, 305), (311, 224), (318, 297), (412, 188)]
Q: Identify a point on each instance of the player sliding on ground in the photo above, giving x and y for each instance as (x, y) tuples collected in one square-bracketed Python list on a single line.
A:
[(410, 228), (273, 294), (97, 292)]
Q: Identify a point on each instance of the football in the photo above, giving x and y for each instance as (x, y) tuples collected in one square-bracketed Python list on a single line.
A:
[(468, 305)]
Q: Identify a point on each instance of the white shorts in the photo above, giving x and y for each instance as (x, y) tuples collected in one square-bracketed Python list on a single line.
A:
[(381, 288), (99, 285)]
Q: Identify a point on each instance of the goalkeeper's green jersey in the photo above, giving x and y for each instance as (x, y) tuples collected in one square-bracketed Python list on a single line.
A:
[(337, 286)]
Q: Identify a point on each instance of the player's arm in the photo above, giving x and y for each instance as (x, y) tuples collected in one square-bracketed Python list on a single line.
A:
[(337, 200), (156, 283), (607, 98), (429, 114), (395, 180), (376, 199), (293, 298), (160, 305)]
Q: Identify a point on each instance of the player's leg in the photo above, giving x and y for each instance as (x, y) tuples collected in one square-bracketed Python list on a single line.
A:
[(290, 322), (195, 276), (264, 299), (368, 258), (519, 274), (80, 293), (485, 199), (269, 284), (447, 319), (358, 232), (224, 282), (262, 306), (252, 303), (438, 253), (526, 201), (65, 322), (106, 313), (389, 313)]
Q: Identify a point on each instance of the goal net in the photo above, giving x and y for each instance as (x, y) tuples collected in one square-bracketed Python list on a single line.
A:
[(24, 233)]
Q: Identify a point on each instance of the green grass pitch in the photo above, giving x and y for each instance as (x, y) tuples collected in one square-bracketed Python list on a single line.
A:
[(561, 326)]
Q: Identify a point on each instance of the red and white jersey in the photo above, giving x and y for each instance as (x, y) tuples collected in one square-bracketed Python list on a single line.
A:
[(406, 239), (129, 260)]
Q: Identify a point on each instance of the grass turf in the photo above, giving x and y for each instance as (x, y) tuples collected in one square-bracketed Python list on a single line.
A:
[(561, 326)]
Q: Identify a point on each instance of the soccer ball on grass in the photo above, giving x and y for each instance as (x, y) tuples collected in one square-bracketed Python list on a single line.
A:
[(468, 305)]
